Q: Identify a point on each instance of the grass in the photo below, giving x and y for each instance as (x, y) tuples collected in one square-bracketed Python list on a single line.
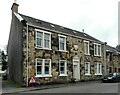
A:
[(13, 83)]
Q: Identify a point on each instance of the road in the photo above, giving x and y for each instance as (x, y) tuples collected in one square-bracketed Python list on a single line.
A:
[(84, 87)]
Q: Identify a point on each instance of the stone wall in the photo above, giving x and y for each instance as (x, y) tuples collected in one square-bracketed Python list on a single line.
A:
[(113, 62), (55, 56)]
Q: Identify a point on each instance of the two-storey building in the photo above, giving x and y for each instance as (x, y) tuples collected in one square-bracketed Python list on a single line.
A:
[(51, 52)]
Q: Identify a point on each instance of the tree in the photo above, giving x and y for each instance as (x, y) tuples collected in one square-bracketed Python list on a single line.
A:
[(4, 62)]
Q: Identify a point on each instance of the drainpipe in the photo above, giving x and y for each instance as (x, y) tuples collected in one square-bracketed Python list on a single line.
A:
[(27, 56), (105, 59)]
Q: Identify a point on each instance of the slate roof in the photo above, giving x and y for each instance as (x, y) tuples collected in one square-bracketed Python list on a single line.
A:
[(113, 50), (48, 25)]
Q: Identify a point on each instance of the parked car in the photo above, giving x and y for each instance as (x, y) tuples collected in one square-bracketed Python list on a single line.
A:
[(112, 77)]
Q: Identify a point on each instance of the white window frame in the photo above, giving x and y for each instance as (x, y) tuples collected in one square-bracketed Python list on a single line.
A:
[(65, 68), (43, 39), (64, 43), (85, 51), (98, 69), (43, 68), (97, 49), (87, 68)]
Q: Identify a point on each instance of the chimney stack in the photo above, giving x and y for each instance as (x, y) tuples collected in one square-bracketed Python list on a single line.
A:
[(14, 7)]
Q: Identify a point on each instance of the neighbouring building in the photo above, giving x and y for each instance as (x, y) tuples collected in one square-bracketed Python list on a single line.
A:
[(51, 52), (112, 59)]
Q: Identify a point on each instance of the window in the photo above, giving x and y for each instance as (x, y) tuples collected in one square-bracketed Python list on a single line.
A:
[(43, 39), (115, 69), (47, 40), (63, 68), (43, 67), (39, 66), (86, 47), (98, 69), (39, 39), (87, 68), (62, 43), (97, 49)]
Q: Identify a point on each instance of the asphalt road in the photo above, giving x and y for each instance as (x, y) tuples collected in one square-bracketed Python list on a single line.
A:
[(84, 87)]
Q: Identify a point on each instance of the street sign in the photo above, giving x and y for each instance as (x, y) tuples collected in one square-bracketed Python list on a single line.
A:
[(32, 80)]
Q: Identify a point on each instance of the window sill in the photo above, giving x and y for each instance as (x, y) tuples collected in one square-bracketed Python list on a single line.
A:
[(97, 55), (42, 48), (62, 51), (43, 76), (86, 54), (87, 74), (98, 74), (62, 75)]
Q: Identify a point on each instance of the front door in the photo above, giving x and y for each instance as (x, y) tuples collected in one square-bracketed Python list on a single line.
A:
[(76, 68)]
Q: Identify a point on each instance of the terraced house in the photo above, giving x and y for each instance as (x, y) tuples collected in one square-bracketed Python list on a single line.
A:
[(112, 59), (50, 52)]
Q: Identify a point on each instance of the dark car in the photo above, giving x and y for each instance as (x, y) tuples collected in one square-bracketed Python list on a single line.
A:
[(113, 77)]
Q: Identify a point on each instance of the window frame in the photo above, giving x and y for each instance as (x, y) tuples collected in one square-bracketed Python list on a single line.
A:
[(85, 51), (97, 49), (65, 68), (64, 42), (98, 71), (43, 39), (43, 68), (88, 69)]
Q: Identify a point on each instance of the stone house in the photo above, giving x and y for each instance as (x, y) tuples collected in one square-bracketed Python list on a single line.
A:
[(112, 59), (51, 52)]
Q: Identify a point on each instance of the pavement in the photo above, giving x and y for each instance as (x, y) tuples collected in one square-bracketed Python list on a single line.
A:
[(8, 87)]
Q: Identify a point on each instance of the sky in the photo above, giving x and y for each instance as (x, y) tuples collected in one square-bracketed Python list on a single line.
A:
[(98, 18)]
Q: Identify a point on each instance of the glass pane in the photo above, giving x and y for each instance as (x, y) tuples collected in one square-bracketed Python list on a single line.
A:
[(46, 40), (39, 42), (46, 43), (62, 63), (62, 39), (99, 69), (95, 50), (47, 62), (62, 46), (39, 35), (46, 36), (46, 69), (86, 48), (39, 70), (99, 49), (39, 62), (62, 70)]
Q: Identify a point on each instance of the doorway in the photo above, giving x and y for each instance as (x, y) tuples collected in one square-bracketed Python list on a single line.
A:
[(76, 68)]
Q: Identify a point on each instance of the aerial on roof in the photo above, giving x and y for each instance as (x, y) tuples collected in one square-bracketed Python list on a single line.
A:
[(55, 27)]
